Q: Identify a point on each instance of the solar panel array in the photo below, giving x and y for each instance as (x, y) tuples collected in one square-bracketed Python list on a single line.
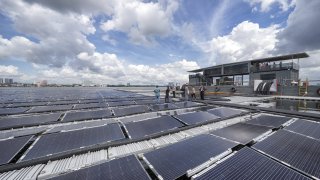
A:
[(9, 148), (270, 121), (186, 104), (38, 109), (121, 103), (225, 112), (64, 141), (130, 110), (91, 105), (294, 149), (10, 111), (87, 115), (308, 128), (11, 122), (147, 127), (175, 160), (162, 107), (126, 168), (196, 117), (241, 132), (249, 164)]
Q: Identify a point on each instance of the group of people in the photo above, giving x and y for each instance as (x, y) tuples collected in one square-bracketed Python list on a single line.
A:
[(185, 93)]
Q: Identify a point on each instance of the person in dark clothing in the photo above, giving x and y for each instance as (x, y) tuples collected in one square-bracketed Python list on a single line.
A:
[(167, 95), (202, 89)]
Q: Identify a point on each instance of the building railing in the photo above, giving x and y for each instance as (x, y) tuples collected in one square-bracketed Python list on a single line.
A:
[(275, 67)]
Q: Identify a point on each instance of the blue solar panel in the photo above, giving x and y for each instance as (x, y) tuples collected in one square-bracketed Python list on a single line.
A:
[(121, 103), (151, 126), (187, 104), (270, 121), (10, 122), (175, 160), (308, 128), (130, 110), (225, 112), (294, 149), (126, 168), (10, 111), (87, 115), (91, 105), (196, 117), (9, 148), (249, 164), (241, 132), (65, 141), (50, 108), (162, 107)]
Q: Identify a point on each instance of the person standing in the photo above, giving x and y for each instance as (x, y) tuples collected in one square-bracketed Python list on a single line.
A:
[(167, 95), (187, 93), (202, 89), (157, 94), (174, 91), (193, 93)]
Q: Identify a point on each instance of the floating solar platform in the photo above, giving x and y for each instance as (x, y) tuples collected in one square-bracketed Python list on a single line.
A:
[(63, 102), (241, 132), (27, 104), (11, 111), (149, 101), (187, 104), (91, 105), (64, 141), (130, 110), (225, 112), (270, 121), (9, 148), (125, 168), (304, 127), (175, 160), (196, 117), (50, 108), (147, 127), (162, 107), (294, 149), (121, 103), (11, 122), (91, 101), (249, 164), (87, 115)]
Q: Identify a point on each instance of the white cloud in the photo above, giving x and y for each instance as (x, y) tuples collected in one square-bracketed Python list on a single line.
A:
[(58, 37), (265, 5), (141, 21), (9, 71), (246, 41)]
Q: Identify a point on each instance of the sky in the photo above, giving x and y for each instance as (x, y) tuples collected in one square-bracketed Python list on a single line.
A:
[(150, 42)]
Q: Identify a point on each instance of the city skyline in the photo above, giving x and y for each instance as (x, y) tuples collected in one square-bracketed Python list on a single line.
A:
[(150, 42)]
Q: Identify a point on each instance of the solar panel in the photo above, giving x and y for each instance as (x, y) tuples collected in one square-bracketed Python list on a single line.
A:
[(9, 148), (91, 100), (294, 149), (307, 128), (162, 107), (225, 112), (21, 132), (241, 132), (130, 110), (24, 104), (50, 108), (125, 168), (63, 102), (9, 111), (270, 121), (87, 115), (121, 103), (10, 122), (196, 117), (64, 141), (187, 104), (249, 164), (175, 160), (150, 101), (91, 105), (151, 126)]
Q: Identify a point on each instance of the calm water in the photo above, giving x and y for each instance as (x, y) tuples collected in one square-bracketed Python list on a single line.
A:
[(296, 105)]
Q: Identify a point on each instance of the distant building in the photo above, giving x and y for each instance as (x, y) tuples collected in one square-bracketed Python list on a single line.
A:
[(8, 81), (1, 80), (42, 83)]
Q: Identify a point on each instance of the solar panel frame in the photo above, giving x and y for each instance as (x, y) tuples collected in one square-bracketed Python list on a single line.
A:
[(161, 107), (130, 110), (12, 111), (187, 104), (196, 117), (39, 109), (125, 168), (268, 120), (241, 132), (297, 150), (87, 115), (305, 127), (91, 105), (225, 112), (151, 126), (121, 103), (249, 164), (175, 160), (65, 141), (11, 122), (9, 148)]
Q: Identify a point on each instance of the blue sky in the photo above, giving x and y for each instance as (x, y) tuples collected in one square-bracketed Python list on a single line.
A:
[(143, 42)]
